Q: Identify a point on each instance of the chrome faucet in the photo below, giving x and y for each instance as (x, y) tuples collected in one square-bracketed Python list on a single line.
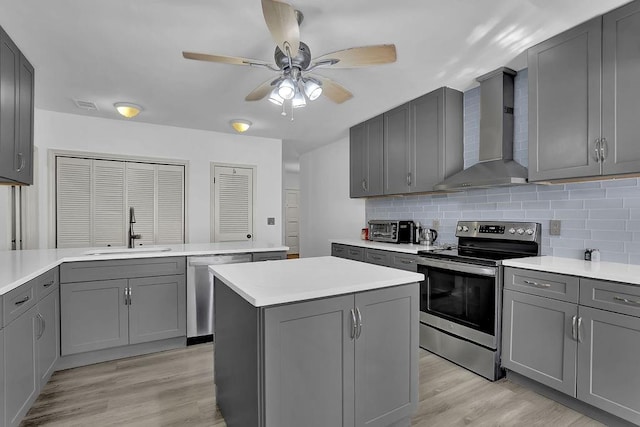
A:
[(132, 235)]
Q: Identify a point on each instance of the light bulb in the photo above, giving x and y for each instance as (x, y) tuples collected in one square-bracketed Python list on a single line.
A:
[(312, 89), (275, 97), (298, 100), (286, 89)]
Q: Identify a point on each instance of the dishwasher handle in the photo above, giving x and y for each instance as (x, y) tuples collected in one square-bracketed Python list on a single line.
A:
[(218, 260)]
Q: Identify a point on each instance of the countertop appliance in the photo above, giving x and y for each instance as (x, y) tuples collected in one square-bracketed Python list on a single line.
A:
[(200, 294), (461, 296), (391, 231)]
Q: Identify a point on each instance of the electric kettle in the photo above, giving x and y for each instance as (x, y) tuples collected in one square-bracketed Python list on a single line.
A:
[(428, 236)]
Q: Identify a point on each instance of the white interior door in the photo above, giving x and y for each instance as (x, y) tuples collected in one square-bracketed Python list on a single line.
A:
[(232, 203), (292, 225)]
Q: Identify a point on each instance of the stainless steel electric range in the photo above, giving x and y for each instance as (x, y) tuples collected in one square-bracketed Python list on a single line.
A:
[(461, 296)]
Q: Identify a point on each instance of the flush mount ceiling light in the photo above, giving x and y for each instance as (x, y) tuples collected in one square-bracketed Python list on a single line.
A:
[(240, 125), (127, 109)]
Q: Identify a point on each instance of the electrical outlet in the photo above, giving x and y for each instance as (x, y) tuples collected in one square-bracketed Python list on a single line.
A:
[(271, 221), (436, 224), (554, 227)]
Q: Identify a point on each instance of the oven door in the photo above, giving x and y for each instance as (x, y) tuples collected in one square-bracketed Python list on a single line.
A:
[(461, 299)]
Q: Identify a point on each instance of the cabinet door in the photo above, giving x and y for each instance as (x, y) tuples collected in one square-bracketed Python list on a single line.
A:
[(386, 352), (308, 371), (537, 339), (397, 150), (93, 316), (436, 138), (20, 366), (357, 163), (268, 256), (620, 90), (608, 373), (157, 308), (48, 335), (24, 142), (564, 103), (366, 154), (9, 76)]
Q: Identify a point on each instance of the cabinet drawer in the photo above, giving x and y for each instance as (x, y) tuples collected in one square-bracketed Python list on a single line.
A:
[(611, 296), (83, 271), (405, 262), (355, 253), (375, 256), (19, 300), (338, 250), (47, 282), (268, 256), (550, 285)]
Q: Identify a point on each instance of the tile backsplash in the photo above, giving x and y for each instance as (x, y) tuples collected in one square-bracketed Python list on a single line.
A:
[(599, 214)]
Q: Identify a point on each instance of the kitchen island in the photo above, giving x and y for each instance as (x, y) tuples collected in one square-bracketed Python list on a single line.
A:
[(316, 342)]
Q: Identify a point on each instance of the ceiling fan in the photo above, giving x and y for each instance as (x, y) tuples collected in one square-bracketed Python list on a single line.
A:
[(294, 62)]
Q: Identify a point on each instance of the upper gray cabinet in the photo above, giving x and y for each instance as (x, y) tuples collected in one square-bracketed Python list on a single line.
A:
[(16, 114), (365, 154), (410, 148), (577, 80)]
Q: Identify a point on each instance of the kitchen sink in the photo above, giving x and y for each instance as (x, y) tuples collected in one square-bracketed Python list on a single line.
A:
[(126, 251)]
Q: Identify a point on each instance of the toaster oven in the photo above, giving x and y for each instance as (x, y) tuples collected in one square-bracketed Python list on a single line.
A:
[(391, 231)]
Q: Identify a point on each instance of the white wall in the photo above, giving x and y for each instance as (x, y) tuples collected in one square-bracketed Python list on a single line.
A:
[(80, 133), (326, 210)]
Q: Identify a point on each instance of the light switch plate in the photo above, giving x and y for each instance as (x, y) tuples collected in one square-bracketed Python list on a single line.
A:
[(271, 221), (554, 227)]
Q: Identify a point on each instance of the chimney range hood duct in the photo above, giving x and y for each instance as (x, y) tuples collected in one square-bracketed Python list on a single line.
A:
[(496, 166)]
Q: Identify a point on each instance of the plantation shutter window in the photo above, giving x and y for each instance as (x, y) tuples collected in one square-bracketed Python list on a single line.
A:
[(141, 178), (73, 202), (233, 203), (170, 204), (108, 203)]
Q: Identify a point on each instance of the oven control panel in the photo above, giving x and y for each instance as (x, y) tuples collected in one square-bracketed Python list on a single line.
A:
[(504, 230)]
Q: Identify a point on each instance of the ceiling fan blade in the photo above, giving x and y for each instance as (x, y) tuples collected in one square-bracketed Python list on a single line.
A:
[(225, 59), (283, 25), (360, 56), (332, 90), (261, 91)]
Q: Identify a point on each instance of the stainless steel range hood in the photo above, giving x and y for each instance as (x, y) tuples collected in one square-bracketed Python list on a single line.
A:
[(496, 165)]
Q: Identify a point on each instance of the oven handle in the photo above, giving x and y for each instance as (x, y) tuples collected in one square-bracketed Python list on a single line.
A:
[(458, 266)]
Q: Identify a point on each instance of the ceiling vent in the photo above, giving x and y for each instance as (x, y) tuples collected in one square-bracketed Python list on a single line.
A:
[(85, 105)]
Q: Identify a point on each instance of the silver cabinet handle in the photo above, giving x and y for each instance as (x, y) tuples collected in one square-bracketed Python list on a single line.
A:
[(42, 325), (573, 328), (409, 179), (537, 285), (126, 296), (596, 149), (23, 300), (376, 257), (604, 149), (406, 261), (354, 324), (365, 187), (359, 329), (130, 294), (579, 329), (627, 300), (21, 158), (46, 285)]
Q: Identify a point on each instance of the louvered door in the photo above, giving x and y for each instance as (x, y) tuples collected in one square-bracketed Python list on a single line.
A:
[(73, 202), (141, 178), (108, 203), (170, 209), (233, 203)]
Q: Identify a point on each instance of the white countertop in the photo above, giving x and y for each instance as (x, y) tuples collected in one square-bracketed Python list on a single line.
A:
[(612, 271), (407, 248), (279, 282), (18, 267)]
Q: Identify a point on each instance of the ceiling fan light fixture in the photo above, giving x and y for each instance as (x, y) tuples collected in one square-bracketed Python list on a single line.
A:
[(298, 100), (275, 98), (127, 109), (286, 89), (240, 125), (312, 89)]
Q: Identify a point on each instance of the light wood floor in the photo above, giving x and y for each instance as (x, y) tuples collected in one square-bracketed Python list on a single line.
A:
[(175, 388)]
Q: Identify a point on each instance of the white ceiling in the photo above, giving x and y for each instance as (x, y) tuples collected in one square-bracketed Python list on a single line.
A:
[(130, 50)]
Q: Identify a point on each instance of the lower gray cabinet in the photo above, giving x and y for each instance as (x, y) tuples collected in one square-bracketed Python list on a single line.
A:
[(268, 256), (355, 253), (320, 371), (608, 374), (48, 335), (537, 339), (20, 367), (110, 313)]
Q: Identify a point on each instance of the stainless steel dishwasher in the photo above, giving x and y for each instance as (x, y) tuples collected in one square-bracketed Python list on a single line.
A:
[(200, 294)]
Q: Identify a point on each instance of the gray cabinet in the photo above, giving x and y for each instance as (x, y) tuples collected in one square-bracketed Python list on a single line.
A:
[(268, 256), (20, 366), (402, 261), (397, 150), (585, 348), (48, 335), (347, 251), (138, 301), (16, 114), (365, 158), (578, 80), (347, 360)]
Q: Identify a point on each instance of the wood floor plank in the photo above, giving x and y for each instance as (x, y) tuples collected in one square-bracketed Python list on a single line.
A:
[(176, 388)]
